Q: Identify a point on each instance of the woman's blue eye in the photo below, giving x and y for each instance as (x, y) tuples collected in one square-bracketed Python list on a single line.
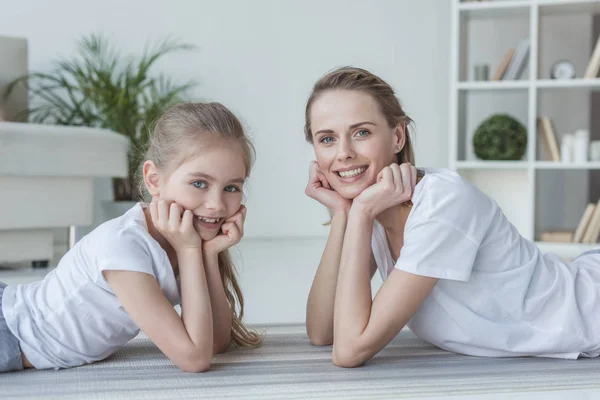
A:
[(199, 184), (232, 189), (326, 139), (363, 133)]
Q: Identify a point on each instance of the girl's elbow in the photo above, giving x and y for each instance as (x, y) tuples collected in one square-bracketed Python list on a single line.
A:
[(222, 346), (195, 361), (197, 365)]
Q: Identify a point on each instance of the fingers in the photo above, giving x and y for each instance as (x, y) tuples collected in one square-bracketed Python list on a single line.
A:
[(187, 221), (154, 212), (163, 212), (175, 212), (239, 219), (413, 176), (405, 170), (231, 230), (323, 180), (387, 178), (313, 171)]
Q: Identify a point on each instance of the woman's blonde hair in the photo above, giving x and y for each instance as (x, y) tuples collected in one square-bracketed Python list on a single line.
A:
[(357, 79), (178, 135)]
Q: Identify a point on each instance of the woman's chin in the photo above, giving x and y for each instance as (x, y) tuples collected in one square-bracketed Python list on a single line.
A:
[(351, 192)]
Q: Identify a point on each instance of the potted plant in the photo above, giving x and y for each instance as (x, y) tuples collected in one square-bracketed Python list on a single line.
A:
[(100, 88)]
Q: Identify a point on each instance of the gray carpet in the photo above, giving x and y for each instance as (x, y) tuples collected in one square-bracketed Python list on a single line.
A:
[(288, 367)]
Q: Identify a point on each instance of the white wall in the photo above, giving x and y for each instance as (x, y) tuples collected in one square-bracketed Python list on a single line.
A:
[(260, 58)]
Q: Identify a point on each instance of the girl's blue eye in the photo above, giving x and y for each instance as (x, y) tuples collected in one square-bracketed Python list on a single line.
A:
[(199, 184), (326, 139), (232, 189), (363, 133)]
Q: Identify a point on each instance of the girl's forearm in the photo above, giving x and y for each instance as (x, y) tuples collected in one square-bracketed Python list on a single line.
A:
[(195, 300), (221, 309)]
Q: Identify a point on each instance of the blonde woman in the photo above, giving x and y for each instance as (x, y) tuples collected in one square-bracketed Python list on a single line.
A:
[(454, 269)]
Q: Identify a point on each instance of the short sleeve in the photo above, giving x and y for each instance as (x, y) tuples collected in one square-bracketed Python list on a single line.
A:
[(437, 249), (125, 251)]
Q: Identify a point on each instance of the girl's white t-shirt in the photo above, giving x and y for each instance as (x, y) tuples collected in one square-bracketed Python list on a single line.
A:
[(498, 295), (72, 317)]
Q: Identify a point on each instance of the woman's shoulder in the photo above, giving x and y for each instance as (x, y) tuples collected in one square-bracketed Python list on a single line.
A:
[(442, 192)]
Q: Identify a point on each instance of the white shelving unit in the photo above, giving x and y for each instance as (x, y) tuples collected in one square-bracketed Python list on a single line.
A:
[(482, 32)]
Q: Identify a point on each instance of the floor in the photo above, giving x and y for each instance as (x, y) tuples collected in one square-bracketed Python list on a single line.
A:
[(13, 276)]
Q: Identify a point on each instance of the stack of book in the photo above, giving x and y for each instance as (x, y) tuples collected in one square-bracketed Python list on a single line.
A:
[(514, 62), (547, 135), (588, 230), (593, 66)]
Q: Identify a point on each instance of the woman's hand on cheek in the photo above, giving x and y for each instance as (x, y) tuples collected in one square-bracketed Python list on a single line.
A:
[(231, 233), (395, 185), (175, 224), (318, 188)]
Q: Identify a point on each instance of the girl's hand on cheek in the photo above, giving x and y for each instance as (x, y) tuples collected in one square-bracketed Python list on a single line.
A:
[(231, 233), (175, 224), (318, 188), (395, 185)]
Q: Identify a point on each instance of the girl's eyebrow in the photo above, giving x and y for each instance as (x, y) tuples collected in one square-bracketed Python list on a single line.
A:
[(210, 178)]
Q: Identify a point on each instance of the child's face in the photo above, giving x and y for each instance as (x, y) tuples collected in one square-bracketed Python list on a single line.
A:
[(209, 184), (352, 140)]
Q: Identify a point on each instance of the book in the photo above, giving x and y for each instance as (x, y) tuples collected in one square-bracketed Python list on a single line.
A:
[(546, 131), (557, 237), (584, 222), (503, 65), (591, 70), (518, 62), (593, 229)]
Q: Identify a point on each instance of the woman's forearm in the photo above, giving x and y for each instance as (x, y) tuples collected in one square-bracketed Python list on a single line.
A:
[(321, 299)]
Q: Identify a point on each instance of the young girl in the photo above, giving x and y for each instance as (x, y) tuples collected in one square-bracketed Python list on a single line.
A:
[(129, 272), (454, 269)]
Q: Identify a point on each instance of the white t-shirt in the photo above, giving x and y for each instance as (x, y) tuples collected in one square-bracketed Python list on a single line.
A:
[(498, 295), (72, 317)]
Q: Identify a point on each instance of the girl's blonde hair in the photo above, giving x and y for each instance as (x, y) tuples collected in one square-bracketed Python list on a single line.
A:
[(178, 135), (357, 79)]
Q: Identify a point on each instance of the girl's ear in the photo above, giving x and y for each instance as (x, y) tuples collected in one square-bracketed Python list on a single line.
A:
[(151, 178), (400, 138)]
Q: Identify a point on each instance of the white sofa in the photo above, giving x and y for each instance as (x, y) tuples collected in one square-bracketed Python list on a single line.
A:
[(46, 181)]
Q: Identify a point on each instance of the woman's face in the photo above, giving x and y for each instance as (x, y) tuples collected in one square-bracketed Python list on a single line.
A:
[(352, 140)]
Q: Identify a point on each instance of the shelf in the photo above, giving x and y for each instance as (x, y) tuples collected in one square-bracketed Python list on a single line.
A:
[(512, 165), (568, 84), (568, 250), (563, 7), (493, 85), (494, 9), (559, 165)]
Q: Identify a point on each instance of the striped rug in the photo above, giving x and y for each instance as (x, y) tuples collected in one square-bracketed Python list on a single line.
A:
[(288, 367)]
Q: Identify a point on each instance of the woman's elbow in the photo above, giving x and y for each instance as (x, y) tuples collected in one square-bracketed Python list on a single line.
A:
[(347, 358), (319, 338)]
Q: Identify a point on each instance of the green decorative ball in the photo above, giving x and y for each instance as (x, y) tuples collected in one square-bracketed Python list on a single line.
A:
[(500, 137)]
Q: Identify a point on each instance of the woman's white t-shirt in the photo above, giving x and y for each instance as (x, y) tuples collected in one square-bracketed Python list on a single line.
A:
[(498, 295), (72, 317)]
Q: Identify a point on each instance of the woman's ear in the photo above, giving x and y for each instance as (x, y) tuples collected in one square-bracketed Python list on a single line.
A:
[(400, 138), (151, 178)]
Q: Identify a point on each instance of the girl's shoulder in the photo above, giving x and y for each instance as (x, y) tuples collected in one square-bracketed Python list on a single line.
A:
[(125, 234)]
